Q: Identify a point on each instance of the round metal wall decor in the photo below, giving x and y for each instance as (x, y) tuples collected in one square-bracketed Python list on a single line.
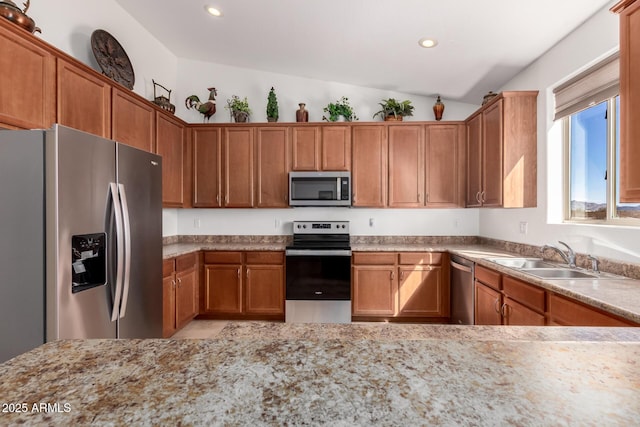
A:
[(112, 58)]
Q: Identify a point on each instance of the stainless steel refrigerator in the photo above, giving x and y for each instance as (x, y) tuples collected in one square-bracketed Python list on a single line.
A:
[(80, 241)]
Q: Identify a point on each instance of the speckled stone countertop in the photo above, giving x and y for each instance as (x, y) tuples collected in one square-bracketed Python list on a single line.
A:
[(335, 375)]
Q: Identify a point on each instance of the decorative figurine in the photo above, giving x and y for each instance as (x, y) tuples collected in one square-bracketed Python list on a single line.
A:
[(162, 101), (207, 108)]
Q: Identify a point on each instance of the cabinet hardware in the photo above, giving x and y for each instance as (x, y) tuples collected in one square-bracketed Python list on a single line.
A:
[(483, 196), (478, 197), (393, 275), (238, 273), (503, 310), (173, 284), (419, 198), (402, 275), (496, 305)]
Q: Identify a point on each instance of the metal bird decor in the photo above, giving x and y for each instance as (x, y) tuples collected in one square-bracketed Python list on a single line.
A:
[(207, 108)]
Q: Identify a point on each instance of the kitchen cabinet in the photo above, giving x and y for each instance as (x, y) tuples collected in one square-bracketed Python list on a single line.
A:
[(179, 290), (244, 285), (132, 120), (400, 286), (444, 165), (502, 152), (567, 312), (28, 84), (238, 167), (207, 166), (272, 167), (406, 166), (629, 11), (171, 144), (84, 99), (488, 301), (369, 166), (318, 148)]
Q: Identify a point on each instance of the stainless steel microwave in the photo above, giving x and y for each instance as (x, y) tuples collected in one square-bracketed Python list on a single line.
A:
[(320, 188)]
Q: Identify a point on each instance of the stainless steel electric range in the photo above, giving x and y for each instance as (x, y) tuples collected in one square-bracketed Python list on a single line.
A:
[(318, 273)]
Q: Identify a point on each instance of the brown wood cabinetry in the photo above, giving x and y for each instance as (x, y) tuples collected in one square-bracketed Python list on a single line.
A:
[(629, 11), (132, 120), (28, 83), (487, 305), (238, 167), (407, 285), (406, 166), (318, 148), (207, 166), (179, 291), (243, 285), (502, 152), (369, 166), (523, 304), (84, 99), (272, 167), (444, 165), (566, 312), (171, 144)]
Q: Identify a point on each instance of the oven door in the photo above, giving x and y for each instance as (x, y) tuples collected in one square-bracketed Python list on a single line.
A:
[(319, 275)]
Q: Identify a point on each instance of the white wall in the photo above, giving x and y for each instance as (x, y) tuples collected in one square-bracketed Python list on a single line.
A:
[(68, 25), (594, 40)]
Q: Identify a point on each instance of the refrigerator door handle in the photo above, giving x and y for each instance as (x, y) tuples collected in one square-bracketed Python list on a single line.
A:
[(117, 210), (127, 249)]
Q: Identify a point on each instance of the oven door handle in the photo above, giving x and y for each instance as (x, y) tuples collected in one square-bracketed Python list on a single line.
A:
[(318, 252)]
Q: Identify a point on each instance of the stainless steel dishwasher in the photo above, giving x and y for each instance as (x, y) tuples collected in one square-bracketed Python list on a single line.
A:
[(462, 291)]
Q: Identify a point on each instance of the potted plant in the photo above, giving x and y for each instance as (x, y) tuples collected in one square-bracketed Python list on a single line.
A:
[(272, 106), (395, 110), (340, 108), (238, 108)]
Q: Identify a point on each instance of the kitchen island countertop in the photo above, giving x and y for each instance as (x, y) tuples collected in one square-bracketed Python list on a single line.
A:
[(359, 374)]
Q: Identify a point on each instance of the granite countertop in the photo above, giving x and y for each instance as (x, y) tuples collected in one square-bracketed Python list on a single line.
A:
[(383, 374)]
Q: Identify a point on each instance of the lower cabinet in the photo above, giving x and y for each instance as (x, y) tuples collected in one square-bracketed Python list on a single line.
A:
[(400, 286), (566, 312), (243, 285), (179, 292), (487, 305)]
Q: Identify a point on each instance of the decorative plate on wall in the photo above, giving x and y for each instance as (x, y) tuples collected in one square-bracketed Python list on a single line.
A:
[(112, 58)]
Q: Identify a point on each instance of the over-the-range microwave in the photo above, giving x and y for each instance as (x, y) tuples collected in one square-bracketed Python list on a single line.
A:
[(320, 188)]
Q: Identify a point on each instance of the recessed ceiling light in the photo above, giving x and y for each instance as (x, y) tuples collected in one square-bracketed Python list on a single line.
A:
[(427, 42), (213, 11)]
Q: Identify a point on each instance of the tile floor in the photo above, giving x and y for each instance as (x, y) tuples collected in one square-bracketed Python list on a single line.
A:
[(201, 329)]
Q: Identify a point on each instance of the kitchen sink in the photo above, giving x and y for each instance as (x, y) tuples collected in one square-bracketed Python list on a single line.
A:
[(523, 262), (559, 273)]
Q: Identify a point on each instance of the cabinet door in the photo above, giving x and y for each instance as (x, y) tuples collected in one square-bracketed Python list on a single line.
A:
[(207, 167), (406, 166), (421, 292), (474, 162), (272, 164), (133, 121), (171, 145), (487, 305), (517, 314), (186, 306), (305, 142), (264, 289), (442, 168), (238, 167), (630, 103), (336, 148), (84, 100), (28, 83), (223, 288), (492, 155), (369, 172), (374, 291), (168, 305)]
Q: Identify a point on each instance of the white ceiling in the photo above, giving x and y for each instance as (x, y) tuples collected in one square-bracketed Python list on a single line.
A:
[(371, 43)]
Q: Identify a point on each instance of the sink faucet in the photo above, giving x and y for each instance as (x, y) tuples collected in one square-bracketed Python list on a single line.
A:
[(569, 257)]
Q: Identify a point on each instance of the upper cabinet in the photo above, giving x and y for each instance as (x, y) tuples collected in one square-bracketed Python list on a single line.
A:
[(369, 166), (318, 148), (207, 166), (502, 152), (171, 144), (238, 167), (406, 166), (629, 11), (133, 120), (28, 83), (444, 165), (84, 99), (272, 167)]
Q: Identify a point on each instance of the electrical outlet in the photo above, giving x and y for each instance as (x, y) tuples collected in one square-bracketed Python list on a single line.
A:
[(196, 223), (524, 227), (371, 222)]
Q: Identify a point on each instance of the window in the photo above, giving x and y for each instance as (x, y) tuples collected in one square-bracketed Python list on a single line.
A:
[(592, 176)]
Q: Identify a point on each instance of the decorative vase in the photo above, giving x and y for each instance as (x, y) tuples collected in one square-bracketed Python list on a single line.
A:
[(392, 118), (488, 97), (272, 119), (438, 109), (302, 115), (241, 116)]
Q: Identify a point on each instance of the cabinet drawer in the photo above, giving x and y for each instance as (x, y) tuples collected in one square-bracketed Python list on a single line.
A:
[(528, 295), (265, 257), (563, 311), (488, 277), (168, 267), (185, 262), (374, 258), (211, 257), (421, 258)]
